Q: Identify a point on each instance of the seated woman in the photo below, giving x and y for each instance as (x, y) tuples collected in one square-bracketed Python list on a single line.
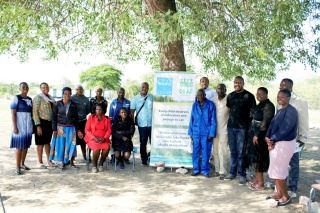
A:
[(98, 132), (122, 132)]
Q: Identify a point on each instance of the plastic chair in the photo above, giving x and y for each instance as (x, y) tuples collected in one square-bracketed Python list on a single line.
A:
[(4, 210), (134, 150)]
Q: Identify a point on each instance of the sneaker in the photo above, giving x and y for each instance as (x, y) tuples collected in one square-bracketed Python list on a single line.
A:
[(242, 181), (94, 170), (101, 169), (221, 177), (144, 163), (229, 177)]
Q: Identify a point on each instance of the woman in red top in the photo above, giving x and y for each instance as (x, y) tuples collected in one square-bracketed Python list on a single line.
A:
[(98, 132)]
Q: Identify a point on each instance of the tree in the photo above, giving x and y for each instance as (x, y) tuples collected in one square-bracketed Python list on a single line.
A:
[(104, 75), (132, 88), (231, 37)]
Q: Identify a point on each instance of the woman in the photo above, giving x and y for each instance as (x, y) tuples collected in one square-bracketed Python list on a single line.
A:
[(98, 99), (65, 128), (281, 142), (257, 154), (21, 110), (122, 133), (42, 116), (202, 130), (98, 132)]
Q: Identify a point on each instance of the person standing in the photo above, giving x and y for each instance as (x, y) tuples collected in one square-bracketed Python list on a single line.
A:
[(257, 153), (301, 106), (240, 102), (141, 104), (281, 140), (98, 99), (42, 116), (65, 127), (83, 108), (22, 127), (117, 104), (202, 130), (221, 154), (204, 84)]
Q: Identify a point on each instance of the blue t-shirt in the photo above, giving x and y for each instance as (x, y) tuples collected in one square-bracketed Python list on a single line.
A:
[(145, 115), (115, 108)]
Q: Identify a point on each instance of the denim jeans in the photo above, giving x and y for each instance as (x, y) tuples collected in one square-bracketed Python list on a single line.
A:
[(145, 134), (236, 140), (294, 172)]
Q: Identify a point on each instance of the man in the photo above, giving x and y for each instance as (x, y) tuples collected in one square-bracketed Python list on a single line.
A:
[(118, 103), (303, 131), (240, 102), (84, 108), (220, 150), (142, 105), (204, 84), (202, 130)]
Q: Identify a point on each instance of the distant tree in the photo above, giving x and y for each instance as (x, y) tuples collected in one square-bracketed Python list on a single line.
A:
[(105, 75), (132, 88)]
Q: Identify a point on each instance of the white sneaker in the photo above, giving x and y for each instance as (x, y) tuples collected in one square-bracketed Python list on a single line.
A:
[(94, 169), (100, 168)]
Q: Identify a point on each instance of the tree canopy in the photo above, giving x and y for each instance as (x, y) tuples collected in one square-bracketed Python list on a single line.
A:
[(230, 37), (104, 75)]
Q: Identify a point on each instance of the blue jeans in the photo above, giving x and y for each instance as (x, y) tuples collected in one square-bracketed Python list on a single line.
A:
[(294, 172), (236, 140), (200, 143), (145, 134)]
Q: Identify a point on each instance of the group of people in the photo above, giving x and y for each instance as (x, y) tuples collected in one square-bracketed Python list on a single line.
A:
[(222, 127), (59, 126), (261, 136)]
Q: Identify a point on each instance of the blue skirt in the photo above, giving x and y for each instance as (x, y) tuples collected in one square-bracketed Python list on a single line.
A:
[(64, 146), (23, 139)]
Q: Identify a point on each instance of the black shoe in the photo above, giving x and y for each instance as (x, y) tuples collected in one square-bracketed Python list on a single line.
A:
[(285, 203), (206, 175), (194, 174), (126, 161), (144, 163)]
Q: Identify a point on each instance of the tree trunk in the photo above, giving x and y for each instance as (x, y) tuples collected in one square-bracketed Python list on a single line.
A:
[(172, 53)]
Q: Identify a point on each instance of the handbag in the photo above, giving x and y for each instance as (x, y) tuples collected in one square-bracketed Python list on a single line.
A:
[(136, 118)]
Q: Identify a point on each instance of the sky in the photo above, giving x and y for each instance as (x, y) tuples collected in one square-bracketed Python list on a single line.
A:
[(52, 72)]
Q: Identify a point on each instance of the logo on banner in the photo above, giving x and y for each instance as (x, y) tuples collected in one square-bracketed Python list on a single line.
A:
[(164, 86)]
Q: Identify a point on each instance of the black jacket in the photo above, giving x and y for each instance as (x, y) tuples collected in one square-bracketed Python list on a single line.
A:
[(61, 118)]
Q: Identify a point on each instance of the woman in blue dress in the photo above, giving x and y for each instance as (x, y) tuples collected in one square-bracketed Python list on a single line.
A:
[(22, 129)]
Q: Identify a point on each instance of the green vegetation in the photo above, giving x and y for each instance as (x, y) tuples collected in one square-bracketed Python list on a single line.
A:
[(229, 37), (104, 75)]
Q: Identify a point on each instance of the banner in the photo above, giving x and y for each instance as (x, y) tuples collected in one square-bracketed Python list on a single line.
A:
[(174, 94)]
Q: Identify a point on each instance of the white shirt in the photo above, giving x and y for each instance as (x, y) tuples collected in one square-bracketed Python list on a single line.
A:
[(222, 112)]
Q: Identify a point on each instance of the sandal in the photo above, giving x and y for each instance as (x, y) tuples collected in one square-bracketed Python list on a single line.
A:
[(42, 166), (272, 197), (52, 165), (285, 203), (255, 188), (17, 172), (62, 166), (25, 167), (74, 166)]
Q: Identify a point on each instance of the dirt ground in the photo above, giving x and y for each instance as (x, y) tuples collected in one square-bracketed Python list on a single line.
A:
[(144, 190)]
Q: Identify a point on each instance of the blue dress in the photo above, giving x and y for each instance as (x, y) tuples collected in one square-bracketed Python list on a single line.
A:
[(23, 139)]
